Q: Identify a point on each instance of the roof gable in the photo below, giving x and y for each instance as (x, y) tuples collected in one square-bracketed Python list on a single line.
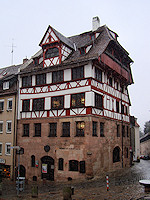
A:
[(52, 35)]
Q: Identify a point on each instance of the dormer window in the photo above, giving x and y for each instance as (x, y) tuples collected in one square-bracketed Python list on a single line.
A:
[(6, 85), (92, 37), (82, 50), (52, 52)]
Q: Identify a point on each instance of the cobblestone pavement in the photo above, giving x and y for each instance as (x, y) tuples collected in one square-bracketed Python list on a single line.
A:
[(123, 185)]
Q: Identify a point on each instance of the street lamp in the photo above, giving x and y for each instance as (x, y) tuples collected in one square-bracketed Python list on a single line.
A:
[(17, 148)]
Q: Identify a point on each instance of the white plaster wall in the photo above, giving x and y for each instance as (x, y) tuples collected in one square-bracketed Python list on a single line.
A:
[(47, 103), (88, 70), (67, 75), (33, 80), (67, 100), (49, 78), (89, 99)]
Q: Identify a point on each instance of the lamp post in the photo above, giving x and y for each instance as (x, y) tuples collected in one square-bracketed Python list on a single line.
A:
[(17, 148)]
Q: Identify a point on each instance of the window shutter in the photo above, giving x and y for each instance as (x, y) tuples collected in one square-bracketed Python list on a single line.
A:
[(82, 166)]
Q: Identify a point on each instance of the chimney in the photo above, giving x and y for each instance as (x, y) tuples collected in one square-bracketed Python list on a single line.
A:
[(25, 60), (95, 23)]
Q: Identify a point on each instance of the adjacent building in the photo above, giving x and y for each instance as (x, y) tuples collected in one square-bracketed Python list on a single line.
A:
[(73, 106), (8, 119)]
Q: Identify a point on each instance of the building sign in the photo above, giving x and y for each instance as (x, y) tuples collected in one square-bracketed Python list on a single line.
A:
[(2, 161), (44, 168)]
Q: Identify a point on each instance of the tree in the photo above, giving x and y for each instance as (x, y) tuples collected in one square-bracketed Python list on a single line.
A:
[(147, 127)]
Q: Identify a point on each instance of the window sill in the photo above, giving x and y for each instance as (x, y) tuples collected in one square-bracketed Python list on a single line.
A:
[(52, 136), (8, 132), (65, 136), (95, 135), (25, 136), (37, 136)]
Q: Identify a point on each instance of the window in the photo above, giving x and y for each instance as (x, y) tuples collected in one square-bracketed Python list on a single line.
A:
[(80, 126), (126, 152), (123, 131), (116, 154), (26, 105), (38, 104), (102, 129), (73, 165), (9, 104), (57, 102), (82, 50), (127, 131), (7, 148), (1, 148), (77, 73), (117, 106), (37, 130), (94, 129), (32, 161), (82, 166), (122, 109), (52, 52), (1, 105), (110, 81), (26, 81), (8, 126), (118, 131), (57, 76), (1, 126), (6, 85), (121, 89), (66, 129), (61, 164), (98, 74), (98, 101), (77, 100), (40, 79), (26, 130), (53, 130)]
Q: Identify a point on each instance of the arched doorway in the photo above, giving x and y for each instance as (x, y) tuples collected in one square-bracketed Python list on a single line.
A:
[(47, 168)]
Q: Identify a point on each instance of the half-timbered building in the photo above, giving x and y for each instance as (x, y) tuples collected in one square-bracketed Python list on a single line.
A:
[(73, 116)]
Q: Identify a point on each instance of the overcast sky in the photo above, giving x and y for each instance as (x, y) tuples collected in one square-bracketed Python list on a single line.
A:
[(24, 22)]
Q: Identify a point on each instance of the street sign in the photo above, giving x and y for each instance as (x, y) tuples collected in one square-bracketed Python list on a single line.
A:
[(15, 147), (2, 161)]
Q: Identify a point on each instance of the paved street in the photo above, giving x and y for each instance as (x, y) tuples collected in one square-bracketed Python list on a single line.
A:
[(123, 185)]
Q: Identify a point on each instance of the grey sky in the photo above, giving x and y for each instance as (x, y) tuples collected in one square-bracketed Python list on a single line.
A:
[(24, 22)]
